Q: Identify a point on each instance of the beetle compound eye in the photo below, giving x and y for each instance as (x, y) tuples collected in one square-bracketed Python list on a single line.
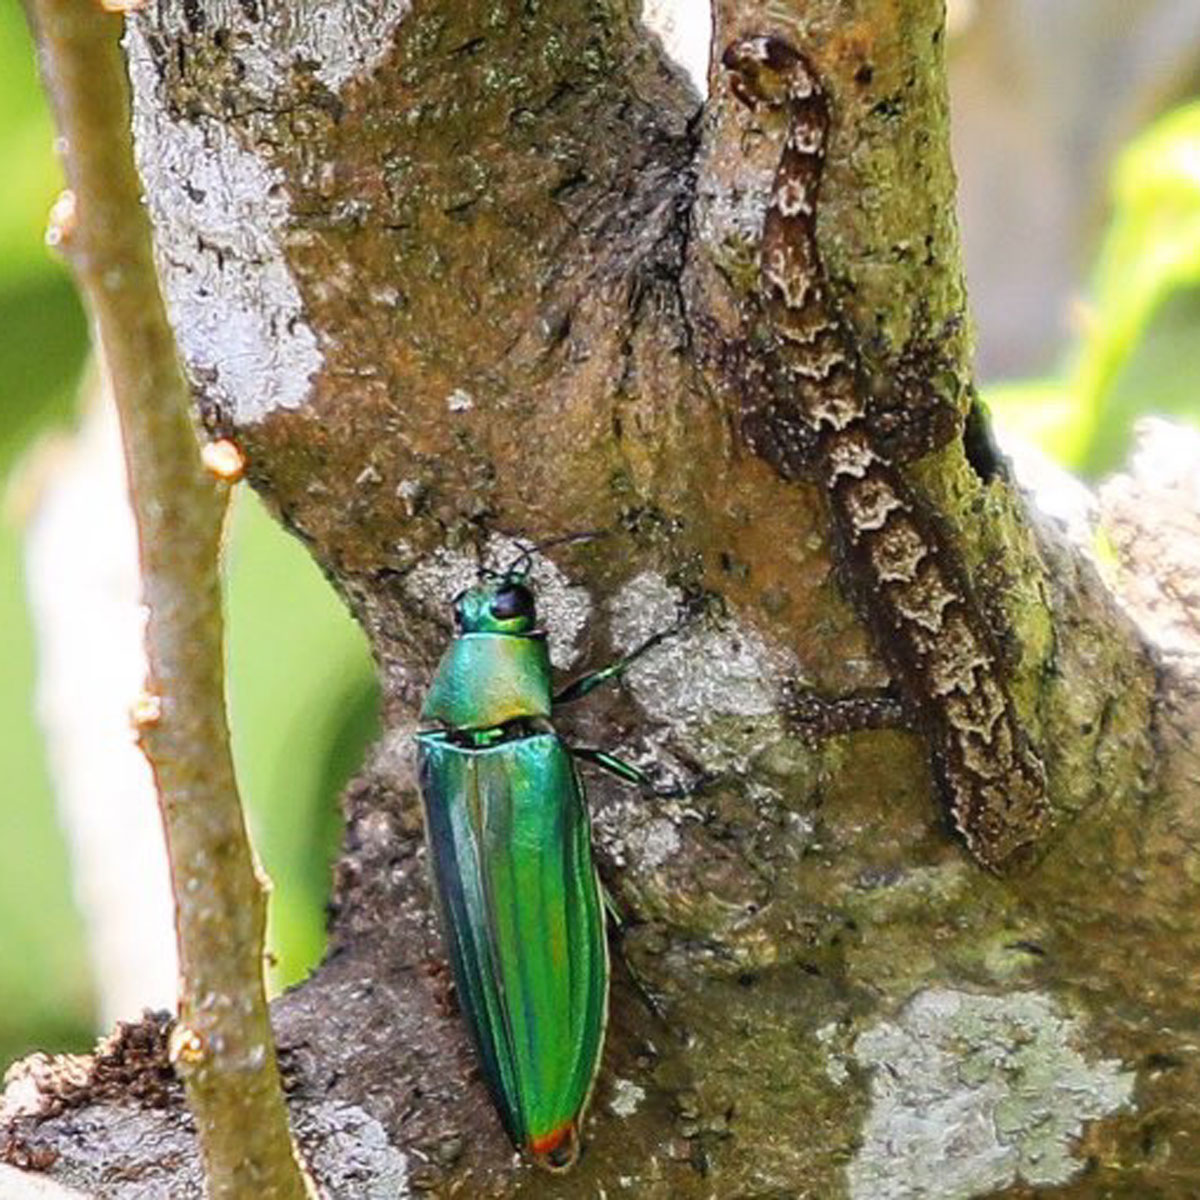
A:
[(512, 602)]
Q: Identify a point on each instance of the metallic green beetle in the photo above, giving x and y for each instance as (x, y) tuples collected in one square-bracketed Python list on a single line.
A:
[(510, 843)]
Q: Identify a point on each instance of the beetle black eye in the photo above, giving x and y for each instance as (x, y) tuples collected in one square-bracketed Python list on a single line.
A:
[(512, 601)]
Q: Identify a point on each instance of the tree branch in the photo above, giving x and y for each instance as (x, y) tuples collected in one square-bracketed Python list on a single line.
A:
[(222, 1044)]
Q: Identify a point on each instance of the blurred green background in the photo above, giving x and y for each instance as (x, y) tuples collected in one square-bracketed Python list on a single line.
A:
[(45, 991), (1138, 349), (302, 698)]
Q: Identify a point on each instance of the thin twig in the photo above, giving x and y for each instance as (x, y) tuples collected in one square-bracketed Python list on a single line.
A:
[(222, 1045)]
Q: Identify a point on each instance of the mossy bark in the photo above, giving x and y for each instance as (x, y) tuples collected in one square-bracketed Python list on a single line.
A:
[(489, 286)]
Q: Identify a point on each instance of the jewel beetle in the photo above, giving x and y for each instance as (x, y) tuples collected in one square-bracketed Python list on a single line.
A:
[(509, 836)]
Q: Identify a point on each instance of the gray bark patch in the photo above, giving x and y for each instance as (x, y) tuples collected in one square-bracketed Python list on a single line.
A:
[(127, 1154), (973, 1093), (219, 213), (344, 39), (718, 688), (351, 1154)]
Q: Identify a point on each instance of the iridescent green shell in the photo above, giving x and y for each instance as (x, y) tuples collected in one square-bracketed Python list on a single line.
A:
[(510, 843)]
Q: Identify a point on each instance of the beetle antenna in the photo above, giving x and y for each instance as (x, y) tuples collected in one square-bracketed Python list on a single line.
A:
[(520, 567)]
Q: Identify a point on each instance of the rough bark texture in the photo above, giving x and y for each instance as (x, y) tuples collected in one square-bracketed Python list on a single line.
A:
[(450, 272)]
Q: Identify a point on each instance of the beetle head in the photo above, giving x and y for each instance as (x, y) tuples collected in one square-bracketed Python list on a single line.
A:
[(502, 602), (499, 605)]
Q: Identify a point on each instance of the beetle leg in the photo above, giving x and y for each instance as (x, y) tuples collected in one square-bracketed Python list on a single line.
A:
[(611, 907), (631, 774), (586, 683), (619, 928), (614, 765), (816, 717)]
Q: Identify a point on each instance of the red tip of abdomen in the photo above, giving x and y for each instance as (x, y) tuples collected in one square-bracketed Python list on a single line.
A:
[(558, 1149)]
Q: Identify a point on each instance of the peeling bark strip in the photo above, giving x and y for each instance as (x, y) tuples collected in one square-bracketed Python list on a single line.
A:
[(817, 419)]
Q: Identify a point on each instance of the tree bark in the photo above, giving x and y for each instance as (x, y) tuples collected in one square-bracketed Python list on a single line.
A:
[(455, 272)]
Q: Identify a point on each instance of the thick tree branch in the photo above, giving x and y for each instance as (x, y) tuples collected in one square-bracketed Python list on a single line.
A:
[(222, 1044)]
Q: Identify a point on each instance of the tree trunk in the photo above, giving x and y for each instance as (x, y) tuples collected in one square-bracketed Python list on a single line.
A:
[(451, 273)]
